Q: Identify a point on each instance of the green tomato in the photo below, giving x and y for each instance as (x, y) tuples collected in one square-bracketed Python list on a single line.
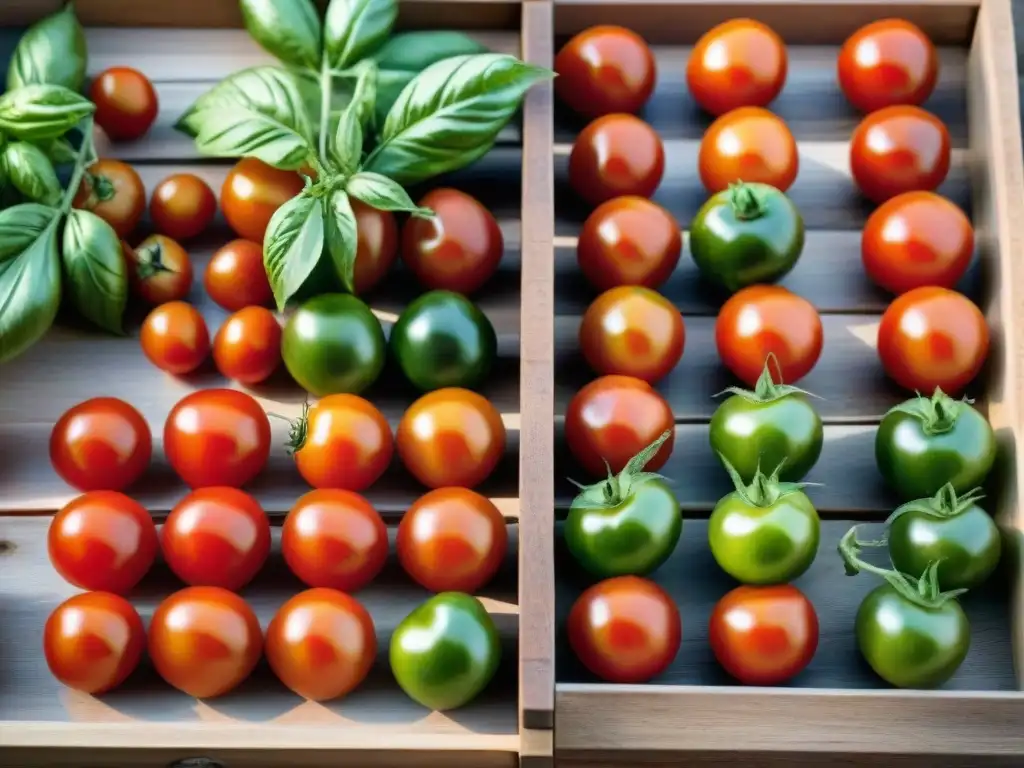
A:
[(443, 340), (446, 651), (333, 343), (747, 234)]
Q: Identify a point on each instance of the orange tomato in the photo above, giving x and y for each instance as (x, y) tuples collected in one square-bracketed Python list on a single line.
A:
[(159, 270), (252, 193), (174, 338), (616, 155), (182, 206), (247, 347), (605, 69), (114, 192), (748, 144), (886, 63)]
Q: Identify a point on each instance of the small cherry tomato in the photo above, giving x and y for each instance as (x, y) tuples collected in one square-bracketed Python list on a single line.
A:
[(93, 641), (452, 540), (182, 206), (616, 155), (247, 347), (174, 338), (748, 144), (252, 193), (235, 277), (933, 337), (114, 192), (204, 641), (376, 246), (321, 644), (126, 103), (159, 271), (886, 63), (739, 63), (917, 239), (605, 69), (765, 320), (612, 419), (101, 444), (334, 538)]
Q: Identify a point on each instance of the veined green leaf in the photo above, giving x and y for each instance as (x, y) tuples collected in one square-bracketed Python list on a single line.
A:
[(355, 28), (51, 51), (97, 274), (293, 245), (347, 147), (28, 168), (287, 29), (37, 112), (342, 237), (384, 194)]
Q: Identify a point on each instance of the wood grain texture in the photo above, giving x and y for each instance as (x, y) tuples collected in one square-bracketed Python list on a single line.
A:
[(706, 759)]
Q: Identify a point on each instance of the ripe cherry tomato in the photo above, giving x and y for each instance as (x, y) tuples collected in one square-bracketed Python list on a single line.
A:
[(159, 270), (451, 437), (114, 192), (605, 69), (886, 63), (252, 192), (126, 103), (182, 206), (765, 320), (235, 276), (376, 246), (204, 641), (103, 541), (764, 635), (625, 629), (101, 444), (897, 150), (739, 63), (217, 437), (216, 537), (632, 331), (247, 347), (616, 155), (917, 239), (174, 338), (933, 337), (748, 144), (93, 641), (334, 538), (612, 419), (452, 540)]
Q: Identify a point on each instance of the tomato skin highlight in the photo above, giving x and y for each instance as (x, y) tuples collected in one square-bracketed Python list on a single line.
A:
[(605, 69), (616, 155), (247, 347), (182, 206), (376, 246), (126, 103), (235, 277), (159, 270), (886, 63), (174, 338), (748, 144), (114, 192), (252, 193)]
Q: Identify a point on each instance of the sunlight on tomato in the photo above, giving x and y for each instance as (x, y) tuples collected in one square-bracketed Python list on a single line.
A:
[(114, 192), (174, 338), (616, 155), (182, 206), (159, 270), (126, 103), (247, 347), (235, 277), (605, 69), (748, 144), (252, 193), (886, 63)]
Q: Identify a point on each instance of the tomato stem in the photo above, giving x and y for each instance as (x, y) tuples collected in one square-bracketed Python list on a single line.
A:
[(298, 429), (763, 490), (943, 505), (765, 389), (615, 489), (748, 203), (937, 414), (85, 151)]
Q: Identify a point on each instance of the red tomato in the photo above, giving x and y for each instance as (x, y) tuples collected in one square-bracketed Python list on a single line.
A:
[(612, 419), (933, 337), (247, 347), (897, 150), (376, 246), (764, 320), (204, 641), (886, 63), (452, 540), (235, 277), (451, 437), (93, 641), (217, 437), (126, 103), (334, 538), (114, 192), (625, 629), (616, 155), (739, 63), (216, 537), (321, 644), (101, 444), (159, 270), (103, 541), (917, 239), (252, 193), (174, 338), (764, 635), (605, 69), (182, 206), (748, 144)]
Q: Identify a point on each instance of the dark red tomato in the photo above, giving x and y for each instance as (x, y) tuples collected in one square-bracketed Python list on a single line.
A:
[(252, 193), (247, 347), (114, 192), (235, 277), (334, 538), (321, 644), (897, 150), (764, 635), (376, 247), (217, 437), (159, 270), (886, 63), (632, 331), (605, 69), (765, 320), (101, 444), (625, 629), (452, 540), (126, 103), (456, 250), (748, 144), (917, 239), (93, 641), (451, 437), (174, 338), (612, 419), (933, 337), (616, 155), (739, 63), (204, 641), (182, 206), (103, 541), (216, 537)]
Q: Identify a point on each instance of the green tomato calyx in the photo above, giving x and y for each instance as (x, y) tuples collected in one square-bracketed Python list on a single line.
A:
[(937, 414), (150, 260), (766, 390), (943, 505), (748, 201), (764, 490), (298, 429), (615, 489)]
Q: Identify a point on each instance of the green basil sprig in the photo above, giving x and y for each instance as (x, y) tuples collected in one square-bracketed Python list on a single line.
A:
[(289, 31), (29, 170), (51, 51), (38, 112), (354, 29)]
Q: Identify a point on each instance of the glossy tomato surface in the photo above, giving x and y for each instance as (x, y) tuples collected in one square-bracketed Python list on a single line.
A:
[(605, 69), (235, 277), (616, 155), (252, 193), (376, 245), (159, 270), (886, 63), (182, 206), (748, 144), (114, 192), (247, 347), (174, 338), (126, 103)]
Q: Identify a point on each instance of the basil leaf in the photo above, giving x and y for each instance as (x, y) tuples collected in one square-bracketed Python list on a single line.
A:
[(36, 112), (96, 271), (382, 193), (450, 115), (355, 28), (342, 237), (51, 51), (347, 147), (30, 171), (293, 245), (59, 151), (29, 276), (287, 29)]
